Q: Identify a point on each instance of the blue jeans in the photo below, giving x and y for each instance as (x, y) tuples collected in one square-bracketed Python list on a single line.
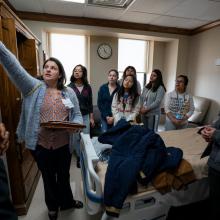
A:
[(104, 125), (151, 122)]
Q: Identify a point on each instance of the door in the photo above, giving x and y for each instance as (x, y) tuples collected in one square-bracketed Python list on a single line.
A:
[(23, 172), (28, 56)]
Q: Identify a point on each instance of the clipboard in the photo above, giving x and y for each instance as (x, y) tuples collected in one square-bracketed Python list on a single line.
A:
[(62, 125)]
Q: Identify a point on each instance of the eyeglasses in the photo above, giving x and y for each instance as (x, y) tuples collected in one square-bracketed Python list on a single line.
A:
[(79, 71), (179, 81)]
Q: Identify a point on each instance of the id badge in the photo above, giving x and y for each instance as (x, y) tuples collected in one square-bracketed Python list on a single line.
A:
[(179, 116), (67, 103)]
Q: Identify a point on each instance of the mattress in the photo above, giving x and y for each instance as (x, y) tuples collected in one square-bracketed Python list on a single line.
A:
[(192, 145)]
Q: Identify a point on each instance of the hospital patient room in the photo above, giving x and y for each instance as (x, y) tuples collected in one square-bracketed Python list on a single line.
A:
[(137, 87), (184, 183)]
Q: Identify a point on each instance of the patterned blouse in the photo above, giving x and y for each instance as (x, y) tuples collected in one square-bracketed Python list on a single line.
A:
[(53, 109)]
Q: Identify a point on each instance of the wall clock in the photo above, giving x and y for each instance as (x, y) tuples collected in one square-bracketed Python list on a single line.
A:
[(104, 51)]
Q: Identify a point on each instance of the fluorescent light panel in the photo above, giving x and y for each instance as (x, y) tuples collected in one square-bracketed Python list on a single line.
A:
[(110, 3)]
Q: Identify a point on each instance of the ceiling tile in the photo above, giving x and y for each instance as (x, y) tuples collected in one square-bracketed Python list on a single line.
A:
[(190, 9), (177, 22), (138, 17), (212, 13), (63, 8), (170, 13), (103, 12), (23, 5), (154, 6)]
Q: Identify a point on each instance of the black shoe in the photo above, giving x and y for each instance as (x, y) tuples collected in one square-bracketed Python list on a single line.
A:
[(75, 205), (78, 162), (53, 215), (78, 204)]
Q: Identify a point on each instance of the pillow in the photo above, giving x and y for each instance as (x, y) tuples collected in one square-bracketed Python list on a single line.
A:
[(196, 117), (201, 107)]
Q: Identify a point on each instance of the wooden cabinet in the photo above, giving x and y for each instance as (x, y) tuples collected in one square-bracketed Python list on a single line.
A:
[(23, 172)]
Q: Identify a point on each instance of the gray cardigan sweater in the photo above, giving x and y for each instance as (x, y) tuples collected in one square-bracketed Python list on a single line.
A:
[(33, 91), (152, 100)]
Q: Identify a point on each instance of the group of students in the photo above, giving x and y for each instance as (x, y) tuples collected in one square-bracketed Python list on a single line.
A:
[(48, 99), (122, 99)]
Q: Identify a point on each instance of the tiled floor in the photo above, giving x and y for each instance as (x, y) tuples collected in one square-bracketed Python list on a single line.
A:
[(38, 210)]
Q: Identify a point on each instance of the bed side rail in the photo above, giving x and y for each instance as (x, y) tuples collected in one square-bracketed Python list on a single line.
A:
[(91, 183)]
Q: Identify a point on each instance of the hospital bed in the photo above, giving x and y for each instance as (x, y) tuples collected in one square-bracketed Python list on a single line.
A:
[(148, 203)]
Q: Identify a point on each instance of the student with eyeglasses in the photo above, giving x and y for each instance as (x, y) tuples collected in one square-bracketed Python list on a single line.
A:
[(178, 105), (79, 83)]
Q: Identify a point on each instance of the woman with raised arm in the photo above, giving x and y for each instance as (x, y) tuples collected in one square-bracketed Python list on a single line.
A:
[(47, 100)]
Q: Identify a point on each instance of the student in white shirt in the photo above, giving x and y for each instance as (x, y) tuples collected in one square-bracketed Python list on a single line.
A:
[(178, 105)]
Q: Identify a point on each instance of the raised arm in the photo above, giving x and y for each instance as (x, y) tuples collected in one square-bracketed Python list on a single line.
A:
[(17, 74)]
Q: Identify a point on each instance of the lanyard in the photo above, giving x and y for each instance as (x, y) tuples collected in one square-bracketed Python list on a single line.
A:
[(125, 99), (179, 102)]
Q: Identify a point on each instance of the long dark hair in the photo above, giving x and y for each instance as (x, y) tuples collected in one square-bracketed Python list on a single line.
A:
[(133, 91), (158, 82), (62, 80), (84, 75), (129, 67)]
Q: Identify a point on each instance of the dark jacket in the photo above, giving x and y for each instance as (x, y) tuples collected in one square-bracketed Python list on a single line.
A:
[(134, 149), (84, 98), (105, 100), (214, 158), (6, 208)]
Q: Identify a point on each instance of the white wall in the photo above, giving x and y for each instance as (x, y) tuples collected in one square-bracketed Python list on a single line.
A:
[(98, 68), (158, 56), (204, 74), (170, 64)]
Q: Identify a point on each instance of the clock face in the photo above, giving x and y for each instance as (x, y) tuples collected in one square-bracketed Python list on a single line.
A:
[(104, 51)]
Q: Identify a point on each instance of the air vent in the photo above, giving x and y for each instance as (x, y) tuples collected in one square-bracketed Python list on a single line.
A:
[(110, 3)]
